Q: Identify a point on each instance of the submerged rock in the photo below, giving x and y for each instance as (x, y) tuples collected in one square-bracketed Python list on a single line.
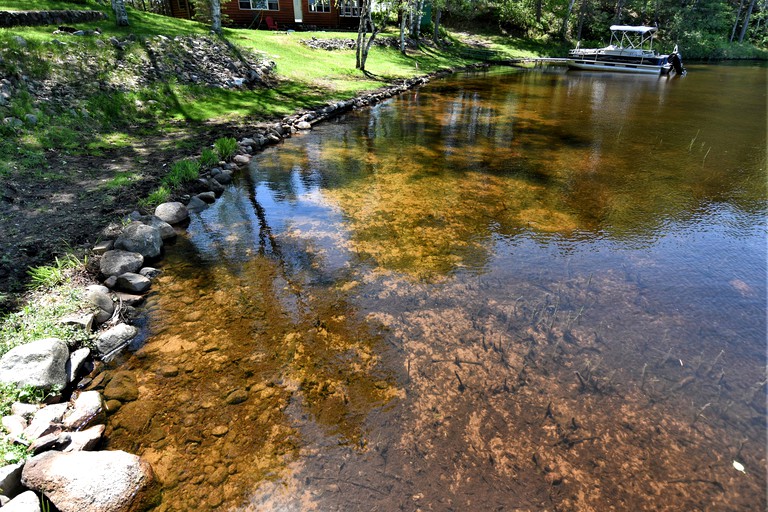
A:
[(122, 386)]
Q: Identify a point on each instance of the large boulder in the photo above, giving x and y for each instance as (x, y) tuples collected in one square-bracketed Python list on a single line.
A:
[(115, 339), (82, 481), (140, 238), (172, 213), (116, 262), (40, 364)]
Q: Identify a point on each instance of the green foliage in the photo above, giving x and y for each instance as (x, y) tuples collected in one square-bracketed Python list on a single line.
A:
[(48, 276), (41, 317), (182, 172), (225, 147), (208, 158), (159, 195)]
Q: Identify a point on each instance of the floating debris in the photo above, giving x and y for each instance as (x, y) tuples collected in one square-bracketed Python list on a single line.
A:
[(738, 466)]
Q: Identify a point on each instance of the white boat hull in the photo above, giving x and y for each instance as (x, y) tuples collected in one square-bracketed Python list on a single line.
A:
[(618, 67)]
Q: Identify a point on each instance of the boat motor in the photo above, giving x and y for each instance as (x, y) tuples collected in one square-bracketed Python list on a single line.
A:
[(677, 61)]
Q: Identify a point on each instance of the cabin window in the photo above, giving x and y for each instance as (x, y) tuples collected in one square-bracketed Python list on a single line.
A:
[(349, 8), (259, 5), (319, 5)]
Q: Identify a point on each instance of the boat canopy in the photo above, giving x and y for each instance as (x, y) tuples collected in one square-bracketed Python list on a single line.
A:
[(630, 28), (629, 37)]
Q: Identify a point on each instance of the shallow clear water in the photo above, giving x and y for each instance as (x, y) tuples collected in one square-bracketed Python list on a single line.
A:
[(523, 289)]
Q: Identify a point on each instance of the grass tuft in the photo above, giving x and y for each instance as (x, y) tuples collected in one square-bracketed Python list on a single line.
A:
[(160, 195), (225, 147), (208, 158), (48, 276)]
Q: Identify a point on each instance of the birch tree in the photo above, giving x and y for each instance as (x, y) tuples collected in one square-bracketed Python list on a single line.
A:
[(121, 15), (216, 16), (364, 40)]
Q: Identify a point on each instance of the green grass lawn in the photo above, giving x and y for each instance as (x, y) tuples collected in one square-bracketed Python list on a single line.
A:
[(305, 78)]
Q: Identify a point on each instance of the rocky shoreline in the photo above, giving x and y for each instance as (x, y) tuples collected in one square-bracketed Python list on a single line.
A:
[(64, 436)]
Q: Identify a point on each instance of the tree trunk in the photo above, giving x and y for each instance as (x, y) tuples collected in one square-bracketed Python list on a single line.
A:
[(363, 46), (403, 21), (121, 15), (216, 16), (736, 23), (745, 26), (436, 25), (416, 19), (582, 15), (538, 12), (619, 8), (566, 18)]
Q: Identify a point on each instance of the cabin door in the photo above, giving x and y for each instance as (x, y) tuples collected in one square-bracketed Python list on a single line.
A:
[(297, 14)]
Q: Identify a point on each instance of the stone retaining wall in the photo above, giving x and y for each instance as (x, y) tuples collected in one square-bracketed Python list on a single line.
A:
[(30, 18)]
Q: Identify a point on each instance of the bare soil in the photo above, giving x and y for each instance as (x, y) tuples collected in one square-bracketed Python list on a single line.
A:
[(67, 208)]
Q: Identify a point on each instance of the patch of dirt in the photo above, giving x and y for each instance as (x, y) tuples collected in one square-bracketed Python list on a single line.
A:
[(66, 206)]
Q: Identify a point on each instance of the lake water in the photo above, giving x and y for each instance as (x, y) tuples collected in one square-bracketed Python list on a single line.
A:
[(514, 290)]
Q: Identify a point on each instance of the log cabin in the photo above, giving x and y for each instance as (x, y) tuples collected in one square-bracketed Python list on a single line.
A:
[(283, 14)]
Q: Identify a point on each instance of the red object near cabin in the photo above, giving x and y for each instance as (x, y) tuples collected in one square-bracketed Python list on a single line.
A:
[(286, 14)]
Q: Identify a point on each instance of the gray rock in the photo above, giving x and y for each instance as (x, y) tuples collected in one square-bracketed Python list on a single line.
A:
[(13, 122), (196, 205), (116, 262), (208, 197), (103, 246), (242, 160), (303, 125), (82, 481), (40, 364), (87, 411), (103, 302), (14, 425), (83, 321), (24, 502), (53, 441), (129, 299), (150, 272), (97, 288), (115, 339), (216, 187), (85, 440), (76, 361), (140, 238), (172, 213), (45, 421), (10, 479), (111, 281), (166, 230), (20, 41), (133, 283), (224, 177), (26, 411), (31, 119)]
